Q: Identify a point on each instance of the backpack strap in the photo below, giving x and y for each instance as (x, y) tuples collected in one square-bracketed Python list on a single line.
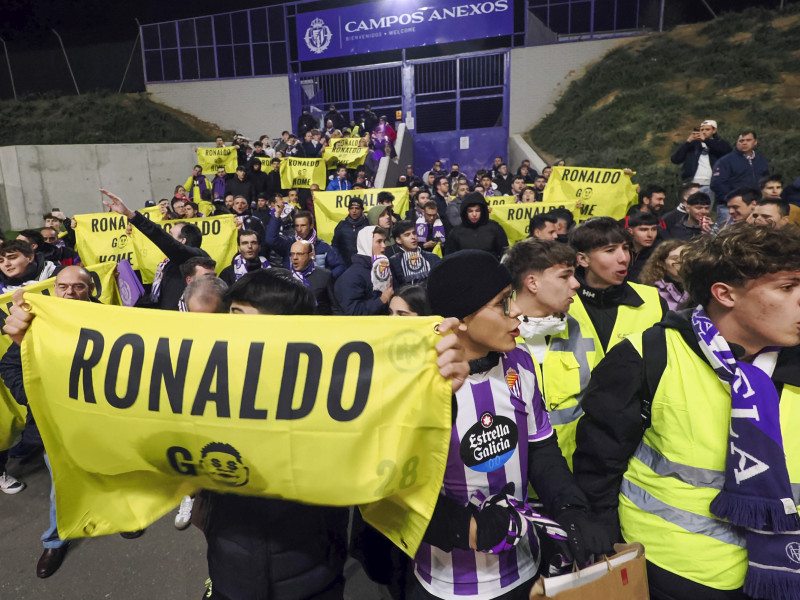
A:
[(654, 362)]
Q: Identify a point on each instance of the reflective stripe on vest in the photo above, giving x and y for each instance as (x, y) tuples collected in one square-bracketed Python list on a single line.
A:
[(579, 347), (719, 530), (679, 467), (694, 476)]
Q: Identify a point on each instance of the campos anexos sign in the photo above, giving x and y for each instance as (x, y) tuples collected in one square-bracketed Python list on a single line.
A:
[(392, 25)]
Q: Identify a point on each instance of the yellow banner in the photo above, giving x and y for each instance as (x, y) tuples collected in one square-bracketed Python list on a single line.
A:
[(157, 405), (345, 152), (213, 158), (602, 192), (515, 219), (102, 238), (331, 207), (219, 240), (12, 415), (302, 172)]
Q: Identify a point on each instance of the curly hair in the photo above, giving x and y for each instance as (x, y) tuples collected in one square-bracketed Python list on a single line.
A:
[(737, 254), (654, 269)]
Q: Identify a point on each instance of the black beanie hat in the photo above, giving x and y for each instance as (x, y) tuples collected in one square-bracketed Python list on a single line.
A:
[(463, 282)]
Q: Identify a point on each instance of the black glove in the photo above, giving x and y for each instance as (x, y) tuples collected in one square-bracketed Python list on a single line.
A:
[(499, 525), (585, 535)]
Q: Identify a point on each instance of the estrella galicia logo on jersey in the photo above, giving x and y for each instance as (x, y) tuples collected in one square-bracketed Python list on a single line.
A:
[(318, 36), (489, 443)]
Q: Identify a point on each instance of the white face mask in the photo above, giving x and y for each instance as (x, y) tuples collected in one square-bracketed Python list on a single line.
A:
[(532, 326)]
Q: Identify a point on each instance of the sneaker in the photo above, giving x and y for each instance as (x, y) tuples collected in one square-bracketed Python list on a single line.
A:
[(184, 517), (10, 485)]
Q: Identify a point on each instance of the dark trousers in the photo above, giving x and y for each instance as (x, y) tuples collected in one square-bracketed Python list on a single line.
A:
[(665, 585)]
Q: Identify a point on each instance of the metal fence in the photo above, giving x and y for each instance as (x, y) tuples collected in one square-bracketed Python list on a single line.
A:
[(588, 18), (460, 93), (247, 43), (255, 42)]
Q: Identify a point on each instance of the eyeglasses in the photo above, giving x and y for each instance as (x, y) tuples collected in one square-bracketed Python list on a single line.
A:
[(512, 297)]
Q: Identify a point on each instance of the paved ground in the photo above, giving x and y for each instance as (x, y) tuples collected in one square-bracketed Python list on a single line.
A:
[(163, 564)]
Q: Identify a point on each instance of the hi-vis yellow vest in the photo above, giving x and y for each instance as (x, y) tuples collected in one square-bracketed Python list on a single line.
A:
[(574, 353), (679, 468)]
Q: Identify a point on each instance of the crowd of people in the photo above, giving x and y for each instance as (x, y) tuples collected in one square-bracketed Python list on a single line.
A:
[(639, 374)]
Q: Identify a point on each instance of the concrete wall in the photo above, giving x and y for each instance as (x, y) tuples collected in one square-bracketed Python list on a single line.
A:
[(540, 74), (254, 106), (519, 150), (34, 179)]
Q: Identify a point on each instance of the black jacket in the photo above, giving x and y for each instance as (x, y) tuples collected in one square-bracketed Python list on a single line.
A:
[(689, 154), (503, 184), (305, 122), (337, 118), (321, 284), (173, 282), (484, 235), (638, 261), (241, 188), (345, 236), (603, 305), (612, 425), (268, 549), (258, 179), (681, 230), (274, 183)]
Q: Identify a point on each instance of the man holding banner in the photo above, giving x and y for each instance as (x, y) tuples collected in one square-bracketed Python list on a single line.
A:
[(179, 245), (262, 545), (72, 283)]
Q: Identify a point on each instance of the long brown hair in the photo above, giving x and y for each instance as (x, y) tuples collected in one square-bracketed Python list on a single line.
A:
[(654, 269)]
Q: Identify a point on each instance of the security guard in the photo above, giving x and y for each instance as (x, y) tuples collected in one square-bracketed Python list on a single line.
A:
[(607, 309), (689, 439)]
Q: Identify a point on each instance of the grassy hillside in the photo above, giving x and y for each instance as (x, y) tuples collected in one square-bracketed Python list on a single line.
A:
[(100, 118), (634, 107)]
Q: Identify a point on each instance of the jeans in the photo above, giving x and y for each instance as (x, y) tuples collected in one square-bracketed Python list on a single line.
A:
[(50, 537)]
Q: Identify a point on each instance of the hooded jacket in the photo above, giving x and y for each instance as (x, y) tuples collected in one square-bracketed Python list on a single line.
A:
[(354, 289), (484, 235), (258, 179)]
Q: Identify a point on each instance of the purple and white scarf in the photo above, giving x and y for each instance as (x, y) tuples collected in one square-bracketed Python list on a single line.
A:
[(312, 239), (240, 266), (415, 267), (422, 230), (523, 519), (155, 290), (757, 493), (302, 276)]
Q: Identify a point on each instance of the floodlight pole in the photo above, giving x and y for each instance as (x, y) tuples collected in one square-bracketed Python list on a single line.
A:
[(64, 50), (130, 59), (8, 62), (661, 17)]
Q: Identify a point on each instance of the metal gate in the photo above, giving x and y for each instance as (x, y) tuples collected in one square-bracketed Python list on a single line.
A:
[(456, 108)]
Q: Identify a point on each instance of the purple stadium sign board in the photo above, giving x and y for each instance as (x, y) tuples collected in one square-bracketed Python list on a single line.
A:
[(396, 24)]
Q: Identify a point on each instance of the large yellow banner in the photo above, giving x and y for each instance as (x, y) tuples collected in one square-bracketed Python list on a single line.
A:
[(219, 240), (601, 192), (331, 207), (302, 172), (213, 158), (515, 218), (12, 415), (345, 152), (102, 238), (156, 405)]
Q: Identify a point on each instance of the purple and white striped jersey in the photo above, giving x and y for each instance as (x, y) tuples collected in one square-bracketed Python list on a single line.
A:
[(499, 412)]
